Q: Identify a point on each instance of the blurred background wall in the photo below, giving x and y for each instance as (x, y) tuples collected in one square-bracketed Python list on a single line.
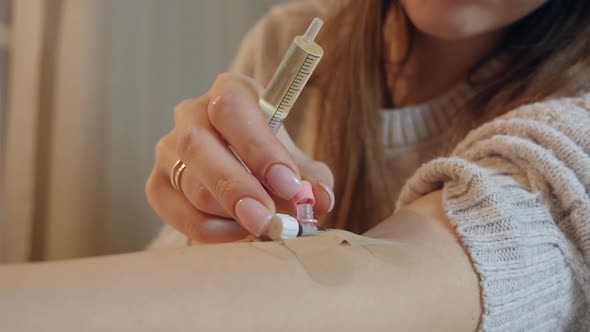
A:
[(4, 24), (91, 88)]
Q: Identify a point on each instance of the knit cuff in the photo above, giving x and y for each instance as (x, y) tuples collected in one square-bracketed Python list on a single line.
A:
[(515, 247)]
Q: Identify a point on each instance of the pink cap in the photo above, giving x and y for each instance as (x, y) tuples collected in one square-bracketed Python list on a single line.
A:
[(305, 195)]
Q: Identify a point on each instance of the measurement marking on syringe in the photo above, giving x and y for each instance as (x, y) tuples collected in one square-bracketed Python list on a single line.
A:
[(293, 90)]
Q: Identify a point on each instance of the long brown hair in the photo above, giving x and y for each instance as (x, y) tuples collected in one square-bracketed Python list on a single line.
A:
[(353, 92)]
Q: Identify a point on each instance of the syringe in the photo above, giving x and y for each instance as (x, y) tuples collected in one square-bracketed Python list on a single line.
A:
[(291, 76), (279, 97), (282, 92)]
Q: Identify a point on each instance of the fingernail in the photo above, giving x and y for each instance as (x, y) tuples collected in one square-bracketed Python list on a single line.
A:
[(283, 181), (330, 193), (252, 215)]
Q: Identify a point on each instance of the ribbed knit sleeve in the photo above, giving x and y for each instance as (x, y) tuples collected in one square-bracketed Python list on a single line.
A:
[(517, 192)]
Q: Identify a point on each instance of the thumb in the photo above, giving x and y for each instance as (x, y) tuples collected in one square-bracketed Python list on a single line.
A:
[(316, 172)]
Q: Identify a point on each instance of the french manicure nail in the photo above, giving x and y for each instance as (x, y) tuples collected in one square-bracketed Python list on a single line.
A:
[(330, 194), (283, 181), (252, 215)]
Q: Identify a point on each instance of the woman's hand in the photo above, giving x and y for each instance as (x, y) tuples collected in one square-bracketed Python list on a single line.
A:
[(216, 189)]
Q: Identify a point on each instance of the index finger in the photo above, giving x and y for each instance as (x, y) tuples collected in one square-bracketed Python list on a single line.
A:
[(236, 115), (206, 154)]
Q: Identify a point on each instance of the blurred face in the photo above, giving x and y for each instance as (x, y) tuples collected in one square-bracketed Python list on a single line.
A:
[(459, 19)]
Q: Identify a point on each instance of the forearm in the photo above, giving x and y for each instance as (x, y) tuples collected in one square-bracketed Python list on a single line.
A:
[(239, 286)]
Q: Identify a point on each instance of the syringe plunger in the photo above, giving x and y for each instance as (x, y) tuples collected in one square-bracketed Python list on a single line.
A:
[(313, 29)]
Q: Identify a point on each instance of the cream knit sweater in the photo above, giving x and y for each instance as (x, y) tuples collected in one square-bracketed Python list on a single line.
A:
[(516, 189)]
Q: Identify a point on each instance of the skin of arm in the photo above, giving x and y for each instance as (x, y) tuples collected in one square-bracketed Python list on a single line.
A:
[(429, 286)]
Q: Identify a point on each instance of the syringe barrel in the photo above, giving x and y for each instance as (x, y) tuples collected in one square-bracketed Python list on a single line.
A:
[(289, 79)]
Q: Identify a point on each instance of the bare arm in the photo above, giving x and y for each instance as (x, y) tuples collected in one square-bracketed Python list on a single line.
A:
[(429, 286)]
